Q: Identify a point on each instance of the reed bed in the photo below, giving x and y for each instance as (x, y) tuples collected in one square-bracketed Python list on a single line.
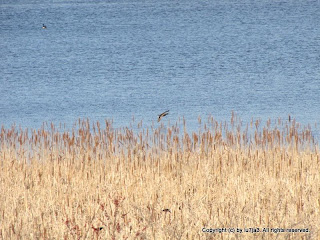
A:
[(160, 182)]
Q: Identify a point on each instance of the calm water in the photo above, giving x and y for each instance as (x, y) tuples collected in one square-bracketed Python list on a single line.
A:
[(115, 59)]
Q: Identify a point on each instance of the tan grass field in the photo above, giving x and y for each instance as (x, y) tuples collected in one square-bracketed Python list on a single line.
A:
[(160, 182)]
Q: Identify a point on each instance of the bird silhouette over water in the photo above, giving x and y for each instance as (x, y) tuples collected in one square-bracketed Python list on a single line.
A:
[(162, 115), (44, 26)]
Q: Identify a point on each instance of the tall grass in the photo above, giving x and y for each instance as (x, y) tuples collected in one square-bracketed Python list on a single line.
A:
[(159, 182)]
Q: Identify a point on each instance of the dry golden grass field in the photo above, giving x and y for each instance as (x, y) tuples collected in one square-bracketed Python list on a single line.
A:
[(160, 182)]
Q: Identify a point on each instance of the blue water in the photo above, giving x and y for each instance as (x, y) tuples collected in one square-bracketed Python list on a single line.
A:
[(118, 59)]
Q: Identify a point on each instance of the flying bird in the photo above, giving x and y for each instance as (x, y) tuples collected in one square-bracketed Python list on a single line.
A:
[(162, 115), (44, 26)]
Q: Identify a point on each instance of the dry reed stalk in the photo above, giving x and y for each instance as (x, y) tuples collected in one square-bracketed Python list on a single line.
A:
[(95, 183)]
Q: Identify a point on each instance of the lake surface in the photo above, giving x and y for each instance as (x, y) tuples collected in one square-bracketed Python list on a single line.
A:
[(119, 59)]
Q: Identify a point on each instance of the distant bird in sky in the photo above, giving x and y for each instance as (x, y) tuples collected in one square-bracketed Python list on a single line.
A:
[(162, 115), (44, 26)]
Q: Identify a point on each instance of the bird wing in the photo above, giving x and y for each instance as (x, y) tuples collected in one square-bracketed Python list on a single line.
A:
[(164, 113)]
